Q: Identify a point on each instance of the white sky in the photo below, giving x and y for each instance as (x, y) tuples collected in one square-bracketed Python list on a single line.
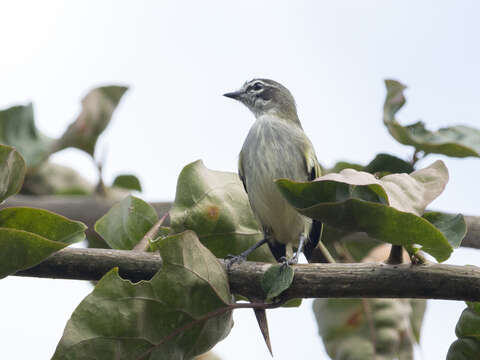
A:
[(179, 57)]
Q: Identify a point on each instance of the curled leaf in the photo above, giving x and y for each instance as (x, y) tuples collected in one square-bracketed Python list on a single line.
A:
[(387, 209), (455, 141), (97, 110)]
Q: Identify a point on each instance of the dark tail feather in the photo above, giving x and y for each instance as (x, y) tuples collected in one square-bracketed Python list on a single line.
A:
[(313, 239)]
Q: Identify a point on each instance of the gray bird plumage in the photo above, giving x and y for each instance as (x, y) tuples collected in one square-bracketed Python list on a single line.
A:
[(276, 147)]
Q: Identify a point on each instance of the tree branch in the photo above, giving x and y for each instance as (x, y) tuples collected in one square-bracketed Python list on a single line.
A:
[(89, 209), (359, 280)]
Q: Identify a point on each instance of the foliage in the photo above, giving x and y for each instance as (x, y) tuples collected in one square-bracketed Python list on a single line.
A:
[(17, 129), (467, 346), (127, 181), (139, 320), (388, 209), (364, 329), (12, 171), (214, 205), (126, 223), (28, 236), (277, 279), (172, 315), (456, 141)]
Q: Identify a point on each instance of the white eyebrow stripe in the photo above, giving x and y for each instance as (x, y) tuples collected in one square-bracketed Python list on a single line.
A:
[(264, 83)]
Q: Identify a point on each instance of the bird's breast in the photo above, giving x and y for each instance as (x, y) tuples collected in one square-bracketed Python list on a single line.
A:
[(274, 150)]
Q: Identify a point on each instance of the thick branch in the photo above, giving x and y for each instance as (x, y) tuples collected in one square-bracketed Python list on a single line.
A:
[(311, 281), (89, 209)]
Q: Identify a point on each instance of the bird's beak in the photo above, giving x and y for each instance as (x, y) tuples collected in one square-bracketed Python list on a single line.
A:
[(234, 95)]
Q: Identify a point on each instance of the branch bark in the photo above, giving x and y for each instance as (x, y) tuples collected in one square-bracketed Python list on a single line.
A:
[(89, 209), (359, 280)]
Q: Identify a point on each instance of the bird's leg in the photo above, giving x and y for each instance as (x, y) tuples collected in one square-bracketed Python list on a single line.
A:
[(294, 259), (231, 259)]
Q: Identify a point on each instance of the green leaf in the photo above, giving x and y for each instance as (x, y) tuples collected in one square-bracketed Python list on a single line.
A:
[(386, 163), (277, 279), (474, 306), (28, 236), (21, 250), (129, 182), (468, 325), (453, 227), (456, 141), (126, 223), (387, 209), (366, 329), (12, 171), (97, 110), (121, 319), (464, 349), (17, 128), (214, 205), (468, 332), (41, 222), (342, 165)]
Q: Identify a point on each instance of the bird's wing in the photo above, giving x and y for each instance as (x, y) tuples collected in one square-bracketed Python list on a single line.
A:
[(241, 173), (313, 167), (314, 171)]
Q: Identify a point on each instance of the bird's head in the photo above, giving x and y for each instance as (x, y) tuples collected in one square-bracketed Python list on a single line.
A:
[(264, 96)]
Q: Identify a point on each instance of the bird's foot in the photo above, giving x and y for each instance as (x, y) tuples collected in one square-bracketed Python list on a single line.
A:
[(234, 259), (287, 262)]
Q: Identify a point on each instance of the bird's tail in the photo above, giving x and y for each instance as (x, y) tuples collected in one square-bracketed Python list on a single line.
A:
[(313, 239)]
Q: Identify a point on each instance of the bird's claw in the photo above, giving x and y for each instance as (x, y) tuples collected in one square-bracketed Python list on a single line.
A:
[(287, 262), (234, 259)]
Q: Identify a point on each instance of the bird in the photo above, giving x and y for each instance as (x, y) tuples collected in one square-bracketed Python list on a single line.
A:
[(276, 147)]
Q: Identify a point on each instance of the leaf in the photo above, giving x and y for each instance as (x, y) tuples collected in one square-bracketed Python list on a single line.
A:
[(126, 223), (129, 182), (12, 171), (468, 332), (17, 128), (277, 279), (453, 227), (342, 165), (97, 110), (134, 321), (21, 250), (387, 209), (463, 349), (388, 163), (366, 329), (41, 222), (28, 236), (214, 205), (456, 141)]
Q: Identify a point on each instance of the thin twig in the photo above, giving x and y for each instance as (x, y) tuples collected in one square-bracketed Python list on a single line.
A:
[(150, 235)]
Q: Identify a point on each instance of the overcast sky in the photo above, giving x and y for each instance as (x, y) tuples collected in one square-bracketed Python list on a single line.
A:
[(179, 57)]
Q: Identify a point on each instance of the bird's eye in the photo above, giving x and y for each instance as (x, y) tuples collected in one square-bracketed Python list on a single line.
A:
[(257, 86)]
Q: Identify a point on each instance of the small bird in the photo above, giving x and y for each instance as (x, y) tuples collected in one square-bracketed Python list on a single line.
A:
[(276, 147)]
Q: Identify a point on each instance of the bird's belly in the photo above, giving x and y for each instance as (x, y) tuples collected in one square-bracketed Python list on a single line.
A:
[(272, 155), (277, 215)]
